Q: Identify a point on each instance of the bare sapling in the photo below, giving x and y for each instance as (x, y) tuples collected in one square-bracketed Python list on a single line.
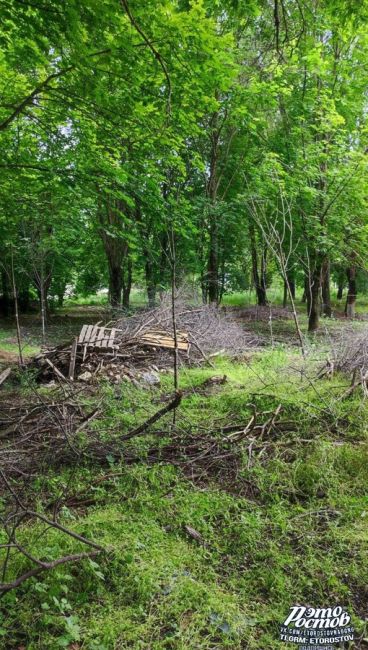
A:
[(278, 236)]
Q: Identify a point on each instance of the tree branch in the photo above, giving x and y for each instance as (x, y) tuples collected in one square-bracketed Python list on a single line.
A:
[(155, 52), (38, 90), (159, 414), (46, 566)]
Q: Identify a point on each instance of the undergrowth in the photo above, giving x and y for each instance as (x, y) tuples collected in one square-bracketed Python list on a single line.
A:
[(297, 535)]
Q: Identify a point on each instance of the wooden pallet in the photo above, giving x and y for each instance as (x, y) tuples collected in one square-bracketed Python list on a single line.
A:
[(93, 336)]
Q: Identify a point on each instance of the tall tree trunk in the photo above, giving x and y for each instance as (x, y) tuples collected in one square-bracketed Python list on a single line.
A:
[(341, 282), (290, 280), (24, 298), (204, 289), (211, 191), (306, 291), (42, 281), (115, 284), (212, 268), (263, 274), (61, 291), (127, 282), (150, 284), (259, 285), (352, 292), (16, 312), (5, 300), (222, 279), (326, 294), (340, 290), (313, 296), (115, 244), (163, 266)]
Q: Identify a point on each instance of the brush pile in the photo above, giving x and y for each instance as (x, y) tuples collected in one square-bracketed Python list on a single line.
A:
[(139, 347), (349, 355)]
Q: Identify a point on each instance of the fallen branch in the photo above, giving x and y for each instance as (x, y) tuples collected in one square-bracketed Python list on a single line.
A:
[(46, 566), (159, 414)]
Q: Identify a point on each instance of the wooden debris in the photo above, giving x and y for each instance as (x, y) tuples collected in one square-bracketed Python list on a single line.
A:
[(73, 356), (4, 375), (92, 336), (192, 532), (216, 379), (114, 351), (55, 370), (161, 339)]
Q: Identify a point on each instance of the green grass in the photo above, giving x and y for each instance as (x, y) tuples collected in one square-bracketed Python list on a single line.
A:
[(291, 528), (9, 344), (138, 298)]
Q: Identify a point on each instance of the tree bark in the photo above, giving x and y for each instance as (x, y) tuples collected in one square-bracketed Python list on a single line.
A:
[(204, 289), (211, 190), (150, 284), (127, 282), (352, 292), (24, 298), (163, 266), (340, 290), (313, 296), (341, 282), (326, 294), (115, 245), (16, 312), (259, 283), (115, 284), (291, 281), (5, 300), (212, 268)]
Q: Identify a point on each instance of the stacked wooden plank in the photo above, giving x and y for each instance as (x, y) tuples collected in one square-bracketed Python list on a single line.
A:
[(93, 336), (161, 339)]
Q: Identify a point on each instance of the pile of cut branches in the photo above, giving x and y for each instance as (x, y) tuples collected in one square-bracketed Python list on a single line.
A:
[(145, 342), (349, 355), (209, 329)]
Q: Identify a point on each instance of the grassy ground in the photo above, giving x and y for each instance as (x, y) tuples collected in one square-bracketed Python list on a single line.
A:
[(289, 527)]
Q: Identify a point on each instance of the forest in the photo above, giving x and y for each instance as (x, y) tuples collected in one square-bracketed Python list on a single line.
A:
[(183, 307)]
